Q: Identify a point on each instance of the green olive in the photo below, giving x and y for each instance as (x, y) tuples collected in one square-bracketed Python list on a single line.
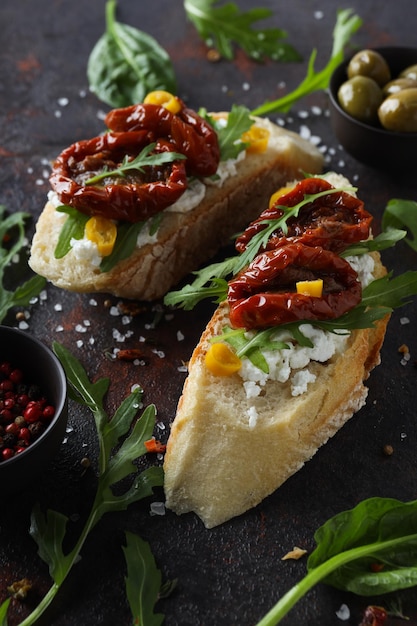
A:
[(409, 72), (399, 111), (360, 97), (369, 63), (397, 85)]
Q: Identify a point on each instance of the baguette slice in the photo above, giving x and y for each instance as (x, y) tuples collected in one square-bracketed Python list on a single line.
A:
[(185, 240), (218, 466)]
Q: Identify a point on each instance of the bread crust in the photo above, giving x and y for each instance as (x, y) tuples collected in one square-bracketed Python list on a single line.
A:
[(185, 240), (218, 466)]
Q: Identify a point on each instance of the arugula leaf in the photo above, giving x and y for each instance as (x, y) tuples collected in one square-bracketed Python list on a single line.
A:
[(250, 345), (12, 232), (399, 213), (141, 566), (72, 228), (214, 274), (346, 25), (142, 160), (261, 238), (384, 240), (377, 530), (125, 244), (126, 64), (115, 464), (230, 131), (225, 25)]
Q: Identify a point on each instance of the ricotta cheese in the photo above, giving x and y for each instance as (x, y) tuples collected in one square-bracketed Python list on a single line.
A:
[(292, 363)]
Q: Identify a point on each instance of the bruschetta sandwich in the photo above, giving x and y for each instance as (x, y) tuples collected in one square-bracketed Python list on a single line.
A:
[(302, 311), (134, 210)]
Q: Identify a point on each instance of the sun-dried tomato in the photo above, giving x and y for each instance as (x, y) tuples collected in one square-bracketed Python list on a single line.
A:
[(374, 616), (132, 198), (264, 294), (188, 131), (332, 221)]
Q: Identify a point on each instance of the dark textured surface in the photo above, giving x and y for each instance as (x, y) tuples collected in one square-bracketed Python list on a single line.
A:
[(233, 574)]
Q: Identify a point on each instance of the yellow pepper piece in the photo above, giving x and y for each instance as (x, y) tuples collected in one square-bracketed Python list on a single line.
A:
[(280, 192), (102, 232), (221, 360), (257, 138), (312, 288), (163, 99)]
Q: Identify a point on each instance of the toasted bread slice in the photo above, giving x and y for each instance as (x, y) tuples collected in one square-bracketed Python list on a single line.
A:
[(219, 463)]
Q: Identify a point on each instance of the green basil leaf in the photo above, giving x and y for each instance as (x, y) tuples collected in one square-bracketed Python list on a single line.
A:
[(389, 526), (379, 531), (126, 64)]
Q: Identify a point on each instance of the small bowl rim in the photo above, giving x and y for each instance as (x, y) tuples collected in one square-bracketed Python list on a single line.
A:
[(63, 386), (367, 127)]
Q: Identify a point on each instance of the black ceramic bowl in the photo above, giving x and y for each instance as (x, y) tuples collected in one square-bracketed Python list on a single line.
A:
[(373, 145), (40, 367)]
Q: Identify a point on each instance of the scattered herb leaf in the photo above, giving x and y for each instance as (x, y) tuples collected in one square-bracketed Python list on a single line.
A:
[(12, 240), (142, 160), (381, 530), (223, 26), (116, 462), (346, 25), (141, 566), (399, 213), (126, 64)]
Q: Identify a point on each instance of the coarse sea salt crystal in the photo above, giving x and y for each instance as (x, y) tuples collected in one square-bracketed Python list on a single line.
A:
[(180, 336), (157, 508), (343, 613), (58, 307), (253, 416), (404, 320)]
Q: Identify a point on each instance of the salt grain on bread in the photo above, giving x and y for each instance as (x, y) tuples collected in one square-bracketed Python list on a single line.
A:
[(185, 240), (227, 450)]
